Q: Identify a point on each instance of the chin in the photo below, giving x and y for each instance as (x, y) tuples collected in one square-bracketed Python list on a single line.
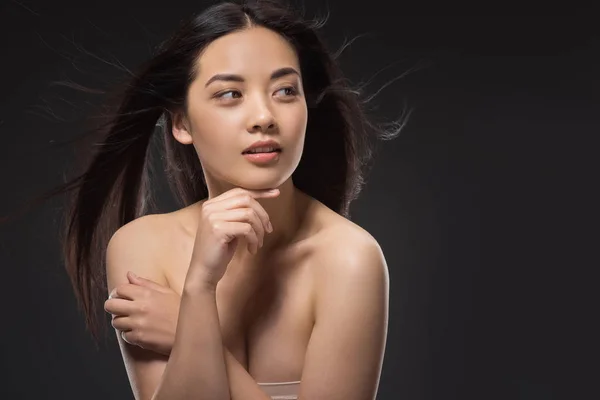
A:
[(263, 183)]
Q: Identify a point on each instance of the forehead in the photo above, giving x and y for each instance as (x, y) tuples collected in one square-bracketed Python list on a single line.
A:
[(255, 51)]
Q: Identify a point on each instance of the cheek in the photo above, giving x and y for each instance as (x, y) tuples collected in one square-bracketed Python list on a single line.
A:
[(217, 127), (295, 132), (215, 139), (296, 121)]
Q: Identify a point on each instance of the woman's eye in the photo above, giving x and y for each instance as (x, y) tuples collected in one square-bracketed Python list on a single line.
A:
[(288, 91), (225, 95)]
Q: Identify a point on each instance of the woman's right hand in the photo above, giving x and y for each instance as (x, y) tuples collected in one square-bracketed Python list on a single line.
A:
[(234, 215)]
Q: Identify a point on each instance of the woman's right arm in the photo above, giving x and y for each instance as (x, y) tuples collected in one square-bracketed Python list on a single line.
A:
[(186, 374)]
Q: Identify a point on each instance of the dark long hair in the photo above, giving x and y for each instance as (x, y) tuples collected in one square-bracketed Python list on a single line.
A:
[(115, 186)]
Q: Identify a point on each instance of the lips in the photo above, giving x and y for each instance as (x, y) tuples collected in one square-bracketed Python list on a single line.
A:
[(263, 158), (262, 150), (263, 146)]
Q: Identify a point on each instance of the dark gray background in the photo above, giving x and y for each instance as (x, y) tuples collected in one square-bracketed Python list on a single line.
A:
[(480, 205)]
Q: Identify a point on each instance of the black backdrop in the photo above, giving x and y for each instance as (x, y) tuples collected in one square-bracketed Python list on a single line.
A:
[(479, 205)]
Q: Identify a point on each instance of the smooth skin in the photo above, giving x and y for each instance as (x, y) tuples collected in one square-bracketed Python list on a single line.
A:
[(349, 289)]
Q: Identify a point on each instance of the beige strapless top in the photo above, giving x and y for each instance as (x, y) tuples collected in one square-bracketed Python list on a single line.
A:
[(281, 390)]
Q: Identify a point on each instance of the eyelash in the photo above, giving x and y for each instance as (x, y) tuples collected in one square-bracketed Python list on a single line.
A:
[(220, 96)]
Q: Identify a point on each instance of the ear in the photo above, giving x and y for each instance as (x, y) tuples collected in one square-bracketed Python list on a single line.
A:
[(181, 132)]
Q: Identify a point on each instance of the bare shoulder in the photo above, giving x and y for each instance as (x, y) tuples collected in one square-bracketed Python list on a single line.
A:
[(348, 251), (136, 247), (140, 230)]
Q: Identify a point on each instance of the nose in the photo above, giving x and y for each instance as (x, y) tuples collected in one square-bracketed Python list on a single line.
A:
[(261, 119)]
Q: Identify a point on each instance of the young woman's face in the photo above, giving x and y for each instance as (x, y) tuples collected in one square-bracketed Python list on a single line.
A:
[(247, 89)]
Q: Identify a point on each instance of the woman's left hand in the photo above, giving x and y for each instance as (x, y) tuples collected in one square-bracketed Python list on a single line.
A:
[(145, 313)]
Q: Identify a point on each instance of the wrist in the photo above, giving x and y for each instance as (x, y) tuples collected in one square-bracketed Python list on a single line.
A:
[(199, 286)]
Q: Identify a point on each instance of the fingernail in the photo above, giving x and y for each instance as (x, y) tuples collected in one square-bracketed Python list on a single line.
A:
[(132, 274), (270, 227)]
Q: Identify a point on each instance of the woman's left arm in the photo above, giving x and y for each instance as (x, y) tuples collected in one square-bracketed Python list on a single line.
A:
[(345, 353), (153, 318)]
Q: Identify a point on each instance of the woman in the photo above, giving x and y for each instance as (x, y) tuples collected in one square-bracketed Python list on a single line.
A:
[(259, 286)]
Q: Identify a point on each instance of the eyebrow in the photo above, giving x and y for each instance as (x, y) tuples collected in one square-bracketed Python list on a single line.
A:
[(237, 78)]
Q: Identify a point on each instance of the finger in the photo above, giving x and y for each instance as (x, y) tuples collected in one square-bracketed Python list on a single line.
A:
[(113, 293), (129, 292), (243, 201), (251, 237), (150, 284), (247, 215), (129, 337), (239, 229), (119, 306), (122, 323)]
